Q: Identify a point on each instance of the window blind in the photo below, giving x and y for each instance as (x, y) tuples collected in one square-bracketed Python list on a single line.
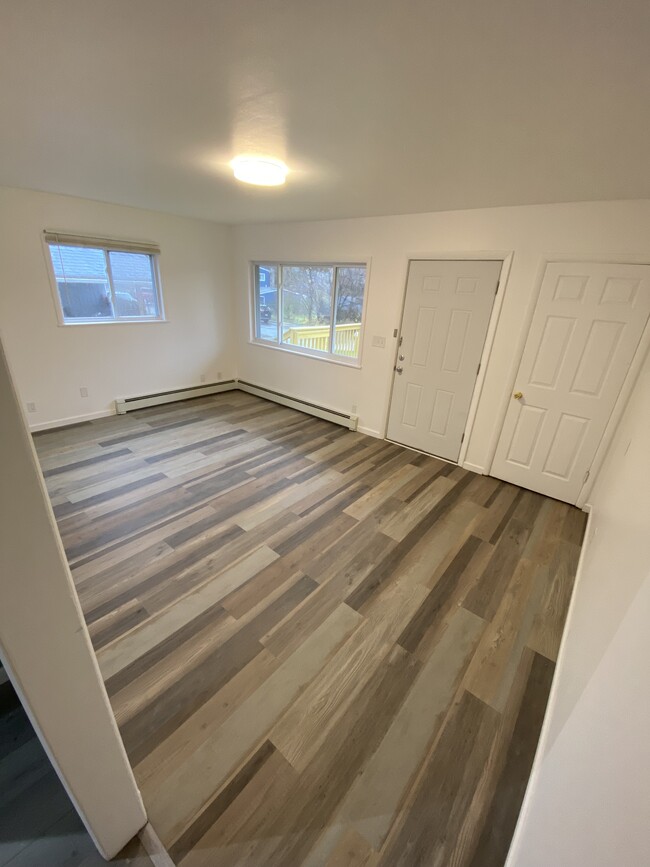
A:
[(67, 239)]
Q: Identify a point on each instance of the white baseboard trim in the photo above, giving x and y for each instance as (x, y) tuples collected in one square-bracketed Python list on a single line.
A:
[(124, 405), (172, 397), (371, 432), (544, 735), (475, 468), (154, 847), (70, 420)]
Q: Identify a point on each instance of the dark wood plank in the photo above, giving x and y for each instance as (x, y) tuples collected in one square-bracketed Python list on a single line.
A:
[(500, 820), (485, 596), (427, 617), (215, 808), (430, 829), (88, 462), (143, 732), (365, 591)]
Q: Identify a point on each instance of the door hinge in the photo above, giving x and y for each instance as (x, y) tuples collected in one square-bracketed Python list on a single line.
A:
[(478, 368), (400, 340), (586, 477), (497, 289), (462, 438)]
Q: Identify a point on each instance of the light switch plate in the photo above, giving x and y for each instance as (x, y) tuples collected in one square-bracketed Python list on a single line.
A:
[(379, 341)]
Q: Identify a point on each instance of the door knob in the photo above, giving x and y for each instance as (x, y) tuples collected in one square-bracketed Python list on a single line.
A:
[(517, 395), (398, 369)]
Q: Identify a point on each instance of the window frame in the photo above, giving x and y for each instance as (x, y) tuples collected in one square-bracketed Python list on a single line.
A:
[(317, 354), (106, 245)]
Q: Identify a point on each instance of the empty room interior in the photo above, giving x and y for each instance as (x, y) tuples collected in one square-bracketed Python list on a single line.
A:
[(325, 454)]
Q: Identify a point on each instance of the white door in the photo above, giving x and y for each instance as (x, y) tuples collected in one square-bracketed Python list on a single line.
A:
[(586, 328), (446, 315)]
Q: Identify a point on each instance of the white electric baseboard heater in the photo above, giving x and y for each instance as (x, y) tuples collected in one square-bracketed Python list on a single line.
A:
[(128, 404)]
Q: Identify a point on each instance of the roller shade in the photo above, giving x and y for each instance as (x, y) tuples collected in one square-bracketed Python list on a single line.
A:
[(69, 240)]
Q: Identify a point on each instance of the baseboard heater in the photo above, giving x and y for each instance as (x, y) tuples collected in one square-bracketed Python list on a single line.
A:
[(128, 404), (349, 421)]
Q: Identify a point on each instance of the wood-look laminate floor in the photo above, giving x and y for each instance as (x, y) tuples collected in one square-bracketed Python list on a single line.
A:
[(39, 826), (321, 648)]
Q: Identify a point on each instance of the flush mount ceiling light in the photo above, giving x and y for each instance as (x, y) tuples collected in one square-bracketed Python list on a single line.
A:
[(261, 171)]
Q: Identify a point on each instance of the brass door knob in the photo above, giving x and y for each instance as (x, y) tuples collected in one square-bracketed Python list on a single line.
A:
[(518, 395)]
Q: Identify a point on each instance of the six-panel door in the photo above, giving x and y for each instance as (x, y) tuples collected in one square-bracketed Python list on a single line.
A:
[(584, 333), (446, 315)]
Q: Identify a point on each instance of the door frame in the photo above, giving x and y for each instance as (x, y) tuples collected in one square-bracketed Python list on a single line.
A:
[(503, 256), (582, 501)]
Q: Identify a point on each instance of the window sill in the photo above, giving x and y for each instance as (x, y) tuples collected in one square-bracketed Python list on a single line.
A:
[(355, 363), (93, 323)]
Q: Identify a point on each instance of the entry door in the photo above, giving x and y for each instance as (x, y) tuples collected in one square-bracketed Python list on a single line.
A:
[(585, 331), (446, 316)]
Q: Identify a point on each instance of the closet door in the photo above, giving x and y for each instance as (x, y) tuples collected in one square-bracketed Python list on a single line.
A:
[(586, 328)]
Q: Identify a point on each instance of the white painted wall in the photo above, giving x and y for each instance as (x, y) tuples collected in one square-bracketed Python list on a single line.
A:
[(198, 258), (588, 803), (52, 362), (598, 230), (46, 649)]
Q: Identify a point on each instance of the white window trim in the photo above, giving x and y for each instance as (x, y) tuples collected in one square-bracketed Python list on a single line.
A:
[(316, 354), (129, 247)]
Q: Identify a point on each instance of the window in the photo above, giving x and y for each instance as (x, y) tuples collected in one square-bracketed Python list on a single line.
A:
[(315, 309), (104, 281)]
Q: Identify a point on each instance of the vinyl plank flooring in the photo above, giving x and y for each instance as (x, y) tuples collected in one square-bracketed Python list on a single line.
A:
[(494, 665), (202, 725), (175, 795), (370, 805), (302, 730), (499, 819), (189, 692), (321, 649), (218, 805), (38, 824), (550, 616), (486, 595), (352, 851), (66, 843), (241, 835), (287, 635), (428, 831), (418, 554), (351, 743)]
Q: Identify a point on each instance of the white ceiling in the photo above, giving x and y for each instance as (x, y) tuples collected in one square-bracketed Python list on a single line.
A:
[(377, 106)]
